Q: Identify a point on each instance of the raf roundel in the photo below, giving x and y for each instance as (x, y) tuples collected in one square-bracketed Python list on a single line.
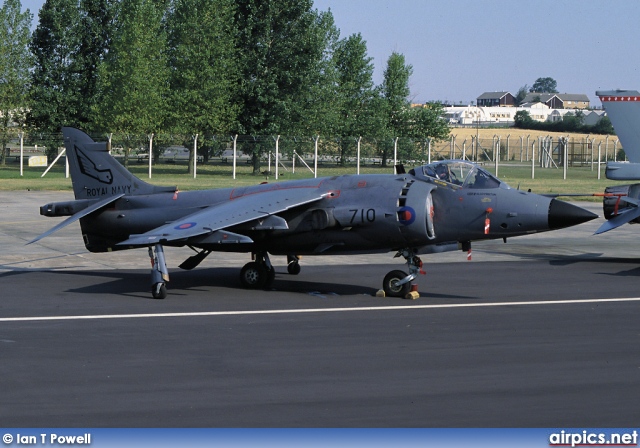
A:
[(185, 226), (406, 215)]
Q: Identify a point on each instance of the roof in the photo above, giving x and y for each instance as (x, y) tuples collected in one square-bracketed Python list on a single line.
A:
[(573, 97), (493, 95), (544, 97)]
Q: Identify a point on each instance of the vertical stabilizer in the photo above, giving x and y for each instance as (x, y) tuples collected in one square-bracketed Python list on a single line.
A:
[(95, 174), (623, 109)]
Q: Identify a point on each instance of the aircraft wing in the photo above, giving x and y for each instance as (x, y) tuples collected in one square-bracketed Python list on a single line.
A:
[(81, 214), (236, 211)]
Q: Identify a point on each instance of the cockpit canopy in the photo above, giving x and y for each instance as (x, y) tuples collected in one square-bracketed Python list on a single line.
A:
[(459, 172)]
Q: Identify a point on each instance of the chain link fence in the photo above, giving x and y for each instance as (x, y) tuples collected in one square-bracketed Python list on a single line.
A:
[(272, 153)]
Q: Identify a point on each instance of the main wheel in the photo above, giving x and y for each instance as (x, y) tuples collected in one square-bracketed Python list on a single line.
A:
[(253, 275), (159, 291), (391, 287)]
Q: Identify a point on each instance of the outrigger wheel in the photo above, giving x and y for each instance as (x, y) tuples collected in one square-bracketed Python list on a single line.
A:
[(159, 272), (159, 291)]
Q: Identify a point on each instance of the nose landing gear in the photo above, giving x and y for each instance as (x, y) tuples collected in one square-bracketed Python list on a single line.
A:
[(398, 283)]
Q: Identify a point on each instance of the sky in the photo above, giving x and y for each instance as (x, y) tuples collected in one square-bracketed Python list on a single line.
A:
[(463, 48)]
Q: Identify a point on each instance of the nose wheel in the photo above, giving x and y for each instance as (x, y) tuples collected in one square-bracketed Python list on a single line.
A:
[(394, 284), (398, 283)]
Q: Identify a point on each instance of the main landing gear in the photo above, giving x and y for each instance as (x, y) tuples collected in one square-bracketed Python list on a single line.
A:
[(159, 272), (397, 283), (258, 274), (293, 264)]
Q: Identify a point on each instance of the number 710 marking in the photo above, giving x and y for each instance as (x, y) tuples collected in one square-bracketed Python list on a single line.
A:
[(361, 215)]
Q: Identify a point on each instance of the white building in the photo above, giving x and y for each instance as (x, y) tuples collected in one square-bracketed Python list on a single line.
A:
[(483, 116)]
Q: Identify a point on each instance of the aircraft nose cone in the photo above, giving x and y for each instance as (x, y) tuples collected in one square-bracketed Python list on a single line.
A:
[(563, 214)]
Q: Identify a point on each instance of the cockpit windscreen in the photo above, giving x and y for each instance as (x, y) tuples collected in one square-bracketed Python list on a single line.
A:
[(459, 172)]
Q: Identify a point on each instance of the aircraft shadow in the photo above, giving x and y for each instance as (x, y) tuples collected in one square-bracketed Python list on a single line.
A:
[(135, 283)]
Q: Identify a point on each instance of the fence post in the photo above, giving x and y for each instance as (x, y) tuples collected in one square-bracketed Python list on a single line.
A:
[(277, 155), (195, 155), (151, 152), (521, 147), (533, 160), (496, 153), (315, 157), (599, 156), (395, 154), (358, 155), (565, 158), (452, 147), (235, 141), (21, 135)]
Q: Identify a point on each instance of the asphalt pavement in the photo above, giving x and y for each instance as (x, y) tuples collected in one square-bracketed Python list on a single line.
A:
[(539, 332)]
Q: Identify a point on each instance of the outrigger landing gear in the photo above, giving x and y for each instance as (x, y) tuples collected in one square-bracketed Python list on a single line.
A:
[(397, 283), (159, 272), (258, 274)]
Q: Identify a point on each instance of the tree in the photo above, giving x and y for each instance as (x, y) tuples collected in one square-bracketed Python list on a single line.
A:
[(573, 122), (544, 85), (395, 91), (428, 122), (94, 31), (53, 94), (522, 119), (281, 46), (15, 62), (204, 74), (357, 101), (314, 110), (603, 126), (134, 77), (522, 93)]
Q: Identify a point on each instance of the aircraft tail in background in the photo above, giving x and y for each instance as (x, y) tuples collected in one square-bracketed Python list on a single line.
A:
[(623, 109)]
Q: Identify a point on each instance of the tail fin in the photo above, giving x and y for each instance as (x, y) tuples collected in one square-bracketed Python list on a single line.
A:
[(623, 109), (96, 174)]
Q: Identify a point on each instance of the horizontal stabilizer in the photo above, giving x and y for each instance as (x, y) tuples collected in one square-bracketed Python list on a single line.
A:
[(624, 217), (81, 214)]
